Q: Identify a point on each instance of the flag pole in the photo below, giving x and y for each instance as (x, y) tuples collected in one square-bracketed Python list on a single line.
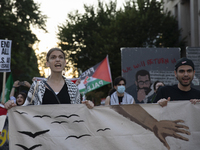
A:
[(3, 90), (110, 72)]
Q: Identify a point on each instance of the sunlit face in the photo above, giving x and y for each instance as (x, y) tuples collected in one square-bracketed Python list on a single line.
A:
[(20, 100), (56, 61), (185, 75)]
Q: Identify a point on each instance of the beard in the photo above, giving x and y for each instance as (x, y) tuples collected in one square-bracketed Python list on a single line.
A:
[(184, 84), (146, 89)]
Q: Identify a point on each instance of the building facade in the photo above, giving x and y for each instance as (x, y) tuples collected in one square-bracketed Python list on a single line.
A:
[(187, 13)]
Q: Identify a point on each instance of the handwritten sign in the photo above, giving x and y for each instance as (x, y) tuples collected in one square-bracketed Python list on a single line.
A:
[(5, 55), (148, 63)]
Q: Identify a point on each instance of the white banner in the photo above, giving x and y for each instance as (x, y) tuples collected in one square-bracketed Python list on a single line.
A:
[(124, 127), (5, 55)]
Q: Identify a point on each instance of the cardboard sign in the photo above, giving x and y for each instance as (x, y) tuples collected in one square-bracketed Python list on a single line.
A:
[(5, 55), (149, 64)]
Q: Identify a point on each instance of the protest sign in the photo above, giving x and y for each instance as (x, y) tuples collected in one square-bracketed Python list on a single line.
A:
[(5, 55), (121, 127), (193, 53), (150, 65)]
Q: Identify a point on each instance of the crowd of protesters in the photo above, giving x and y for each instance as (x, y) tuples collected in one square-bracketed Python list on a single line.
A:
[(52, 90)]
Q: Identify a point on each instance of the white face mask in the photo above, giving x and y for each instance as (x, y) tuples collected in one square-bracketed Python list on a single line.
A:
[(120, 89)]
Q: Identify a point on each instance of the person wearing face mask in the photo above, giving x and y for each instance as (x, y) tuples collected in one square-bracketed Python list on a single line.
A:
[(118, 94)]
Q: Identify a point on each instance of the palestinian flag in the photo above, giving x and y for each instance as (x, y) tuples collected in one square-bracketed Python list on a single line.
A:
[(95, 77)]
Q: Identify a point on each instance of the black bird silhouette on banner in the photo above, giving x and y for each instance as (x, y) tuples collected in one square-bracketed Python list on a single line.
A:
[(33, 135), (31, 148), (78, 121), (20, 112), (103, 129), (67, 116), (78, 137), (59, 122), (41, 116)]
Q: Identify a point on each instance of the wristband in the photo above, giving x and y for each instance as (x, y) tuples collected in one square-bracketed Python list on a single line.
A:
[(13, 87)]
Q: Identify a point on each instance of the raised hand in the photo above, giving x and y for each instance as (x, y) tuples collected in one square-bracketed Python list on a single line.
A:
[(16, 83), (27, 84), (141, 94)]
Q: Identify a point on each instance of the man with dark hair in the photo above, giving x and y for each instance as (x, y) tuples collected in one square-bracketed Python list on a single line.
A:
[(143, 92), (184, 73), (119, 96)]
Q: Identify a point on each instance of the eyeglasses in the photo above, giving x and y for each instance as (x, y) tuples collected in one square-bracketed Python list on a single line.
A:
[(144, 82)]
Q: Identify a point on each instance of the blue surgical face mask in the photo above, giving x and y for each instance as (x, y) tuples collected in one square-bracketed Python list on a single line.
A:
[(121, 89)]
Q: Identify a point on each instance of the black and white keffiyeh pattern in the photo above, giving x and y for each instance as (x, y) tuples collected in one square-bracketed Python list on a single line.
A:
[(40, 90)]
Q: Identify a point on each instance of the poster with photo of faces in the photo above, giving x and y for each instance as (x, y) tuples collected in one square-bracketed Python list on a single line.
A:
[(5, 55), (141, 67)]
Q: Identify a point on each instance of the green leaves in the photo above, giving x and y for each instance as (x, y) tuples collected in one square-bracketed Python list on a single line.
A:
[(16, 19), (103, 30)]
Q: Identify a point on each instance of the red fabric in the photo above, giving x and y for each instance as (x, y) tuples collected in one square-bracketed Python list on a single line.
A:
[(3, 111), (103, 71), (74, 79)]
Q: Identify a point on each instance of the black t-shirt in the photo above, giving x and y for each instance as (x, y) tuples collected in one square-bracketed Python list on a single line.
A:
[(120, 99), (176, 94), (63, 96)]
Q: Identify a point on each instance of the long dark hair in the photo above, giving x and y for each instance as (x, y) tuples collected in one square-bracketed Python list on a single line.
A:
[(23, 95)]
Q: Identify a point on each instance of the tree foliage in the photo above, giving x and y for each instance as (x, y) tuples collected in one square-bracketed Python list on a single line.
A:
[(16, 19), (103, 30), (42, 62)]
